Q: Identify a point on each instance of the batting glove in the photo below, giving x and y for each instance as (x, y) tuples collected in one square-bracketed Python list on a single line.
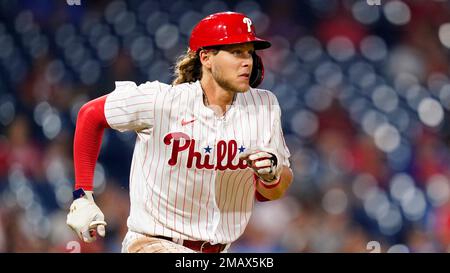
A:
[(86, 218), (264, 162)]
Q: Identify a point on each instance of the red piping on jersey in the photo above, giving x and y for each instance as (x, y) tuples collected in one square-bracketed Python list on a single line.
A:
[(91, 123)]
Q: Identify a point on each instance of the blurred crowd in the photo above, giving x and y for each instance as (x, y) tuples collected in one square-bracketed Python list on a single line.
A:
[(365, 97)]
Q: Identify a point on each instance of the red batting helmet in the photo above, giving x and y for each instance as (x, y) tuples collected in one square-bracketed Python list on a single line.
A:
[(225, 28)]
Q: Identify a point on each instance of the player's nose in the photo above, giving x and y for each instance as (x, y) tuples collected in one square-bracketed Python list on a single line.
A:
[(248, 61)]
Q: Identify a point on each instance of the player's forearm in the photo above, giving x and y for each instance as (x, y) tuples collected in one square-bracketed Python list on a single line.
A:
[(91, 123), (275, 191)]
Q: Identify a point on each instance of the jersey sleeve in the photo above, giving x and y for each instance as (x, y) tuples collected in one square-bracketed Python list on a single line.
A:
[(277, 141), (131, 107)]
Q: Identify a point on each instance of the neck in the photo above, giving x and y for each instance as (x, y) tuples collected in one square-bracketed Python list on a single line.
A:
[(216, 97)]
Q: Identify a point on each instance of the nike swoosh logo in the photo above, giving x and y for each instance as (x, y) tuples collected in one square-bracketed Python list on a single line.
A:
[(184, 122)]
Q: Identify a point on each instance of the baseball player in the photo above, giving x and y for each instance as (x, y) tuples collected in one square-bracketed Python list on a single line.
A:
[(207, 146)]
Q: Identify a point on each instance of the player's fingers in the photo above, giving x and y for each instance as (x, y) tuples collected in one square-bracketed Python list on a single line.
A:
[(263, 163), (95, 223), (259, 155), (265, 170), (97, 227), (101, 230), (88, 235)]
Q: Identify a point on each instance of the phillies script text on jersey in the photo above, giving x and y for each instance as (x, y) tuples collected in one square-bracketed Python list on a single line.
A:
[(224, 151), (186, 179)]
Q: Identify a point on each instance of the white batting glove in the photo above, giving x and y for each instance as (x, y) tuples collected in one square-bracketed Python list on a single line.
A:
[(86, 218), (264, 162)]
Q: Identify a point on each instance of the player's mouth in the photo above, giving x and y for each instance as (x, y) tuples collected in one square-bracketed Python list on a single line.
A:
[(245, 76)]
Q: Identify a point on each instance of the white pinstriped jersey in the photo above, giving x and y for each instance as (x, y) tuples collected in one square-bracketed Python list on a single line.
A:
[(186, 180)]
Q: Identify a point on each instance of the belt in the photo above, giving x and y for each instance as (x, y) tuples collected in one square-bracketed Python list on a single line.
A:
[(199, 246)]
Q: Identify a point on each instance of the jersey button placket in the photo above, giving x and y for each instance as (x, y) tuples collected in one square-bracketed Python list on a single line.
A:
[(216, 210)]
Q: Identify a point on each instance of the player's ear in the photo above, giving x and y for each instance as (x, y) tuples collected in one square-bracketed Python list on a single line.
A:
[(205, 57)]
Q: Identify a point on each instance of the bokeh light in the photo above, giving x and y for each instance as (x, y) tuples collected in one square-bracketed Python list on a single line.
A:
[(364, 92)]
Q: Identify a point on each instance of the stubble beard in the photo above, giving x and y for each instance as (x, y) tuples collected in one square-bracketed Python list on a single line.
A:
[(227, 85)]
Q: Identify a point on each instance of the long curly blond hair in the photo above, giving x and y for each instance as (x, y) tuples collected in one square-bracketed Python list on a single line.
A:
[(188, 68)]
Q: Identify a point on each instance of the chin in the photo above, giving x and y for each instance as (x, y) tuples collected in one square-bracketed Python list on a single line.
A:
[(242, 87), (243, 90)]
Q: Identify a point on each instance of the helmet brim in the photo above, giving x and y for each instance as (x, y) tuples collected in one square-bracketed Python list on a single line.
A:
[(258, 43), (261, 44)]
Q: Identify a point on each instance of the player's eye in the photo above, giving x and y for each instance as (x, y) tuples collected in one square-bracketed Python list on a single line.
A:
[(241, 53), (237, 52)]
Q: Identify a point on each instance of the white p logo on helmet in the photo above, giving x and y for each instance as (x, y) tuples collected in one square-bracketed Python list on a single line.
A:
[(248, 22)]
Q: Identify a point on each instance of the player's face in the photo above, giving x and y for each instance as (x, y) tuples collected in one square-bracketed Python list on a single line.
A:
[(232, 66)]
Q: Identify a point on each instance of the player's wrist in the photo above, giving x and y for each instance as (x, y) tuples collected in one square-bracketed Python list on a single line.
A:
[(78, 193), (81, 193), (268, 183)]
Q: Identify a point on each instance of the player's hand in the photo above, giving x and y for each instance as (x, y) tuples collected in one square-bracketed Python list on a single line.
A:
[(86, 218), (264, 162)]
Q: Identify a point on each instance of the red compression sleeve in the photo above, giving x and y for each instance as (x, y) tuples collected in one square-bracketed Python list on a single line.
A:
[(91, 123), (258, 195)]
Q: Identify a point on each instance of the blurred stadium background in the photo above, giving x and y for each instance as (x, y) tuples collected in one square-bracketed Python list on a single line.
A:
[(365, 94)]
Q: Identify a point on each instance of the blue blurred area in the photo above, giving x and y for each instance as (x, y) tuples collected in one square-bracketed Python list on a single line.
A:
[(365, 97)]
